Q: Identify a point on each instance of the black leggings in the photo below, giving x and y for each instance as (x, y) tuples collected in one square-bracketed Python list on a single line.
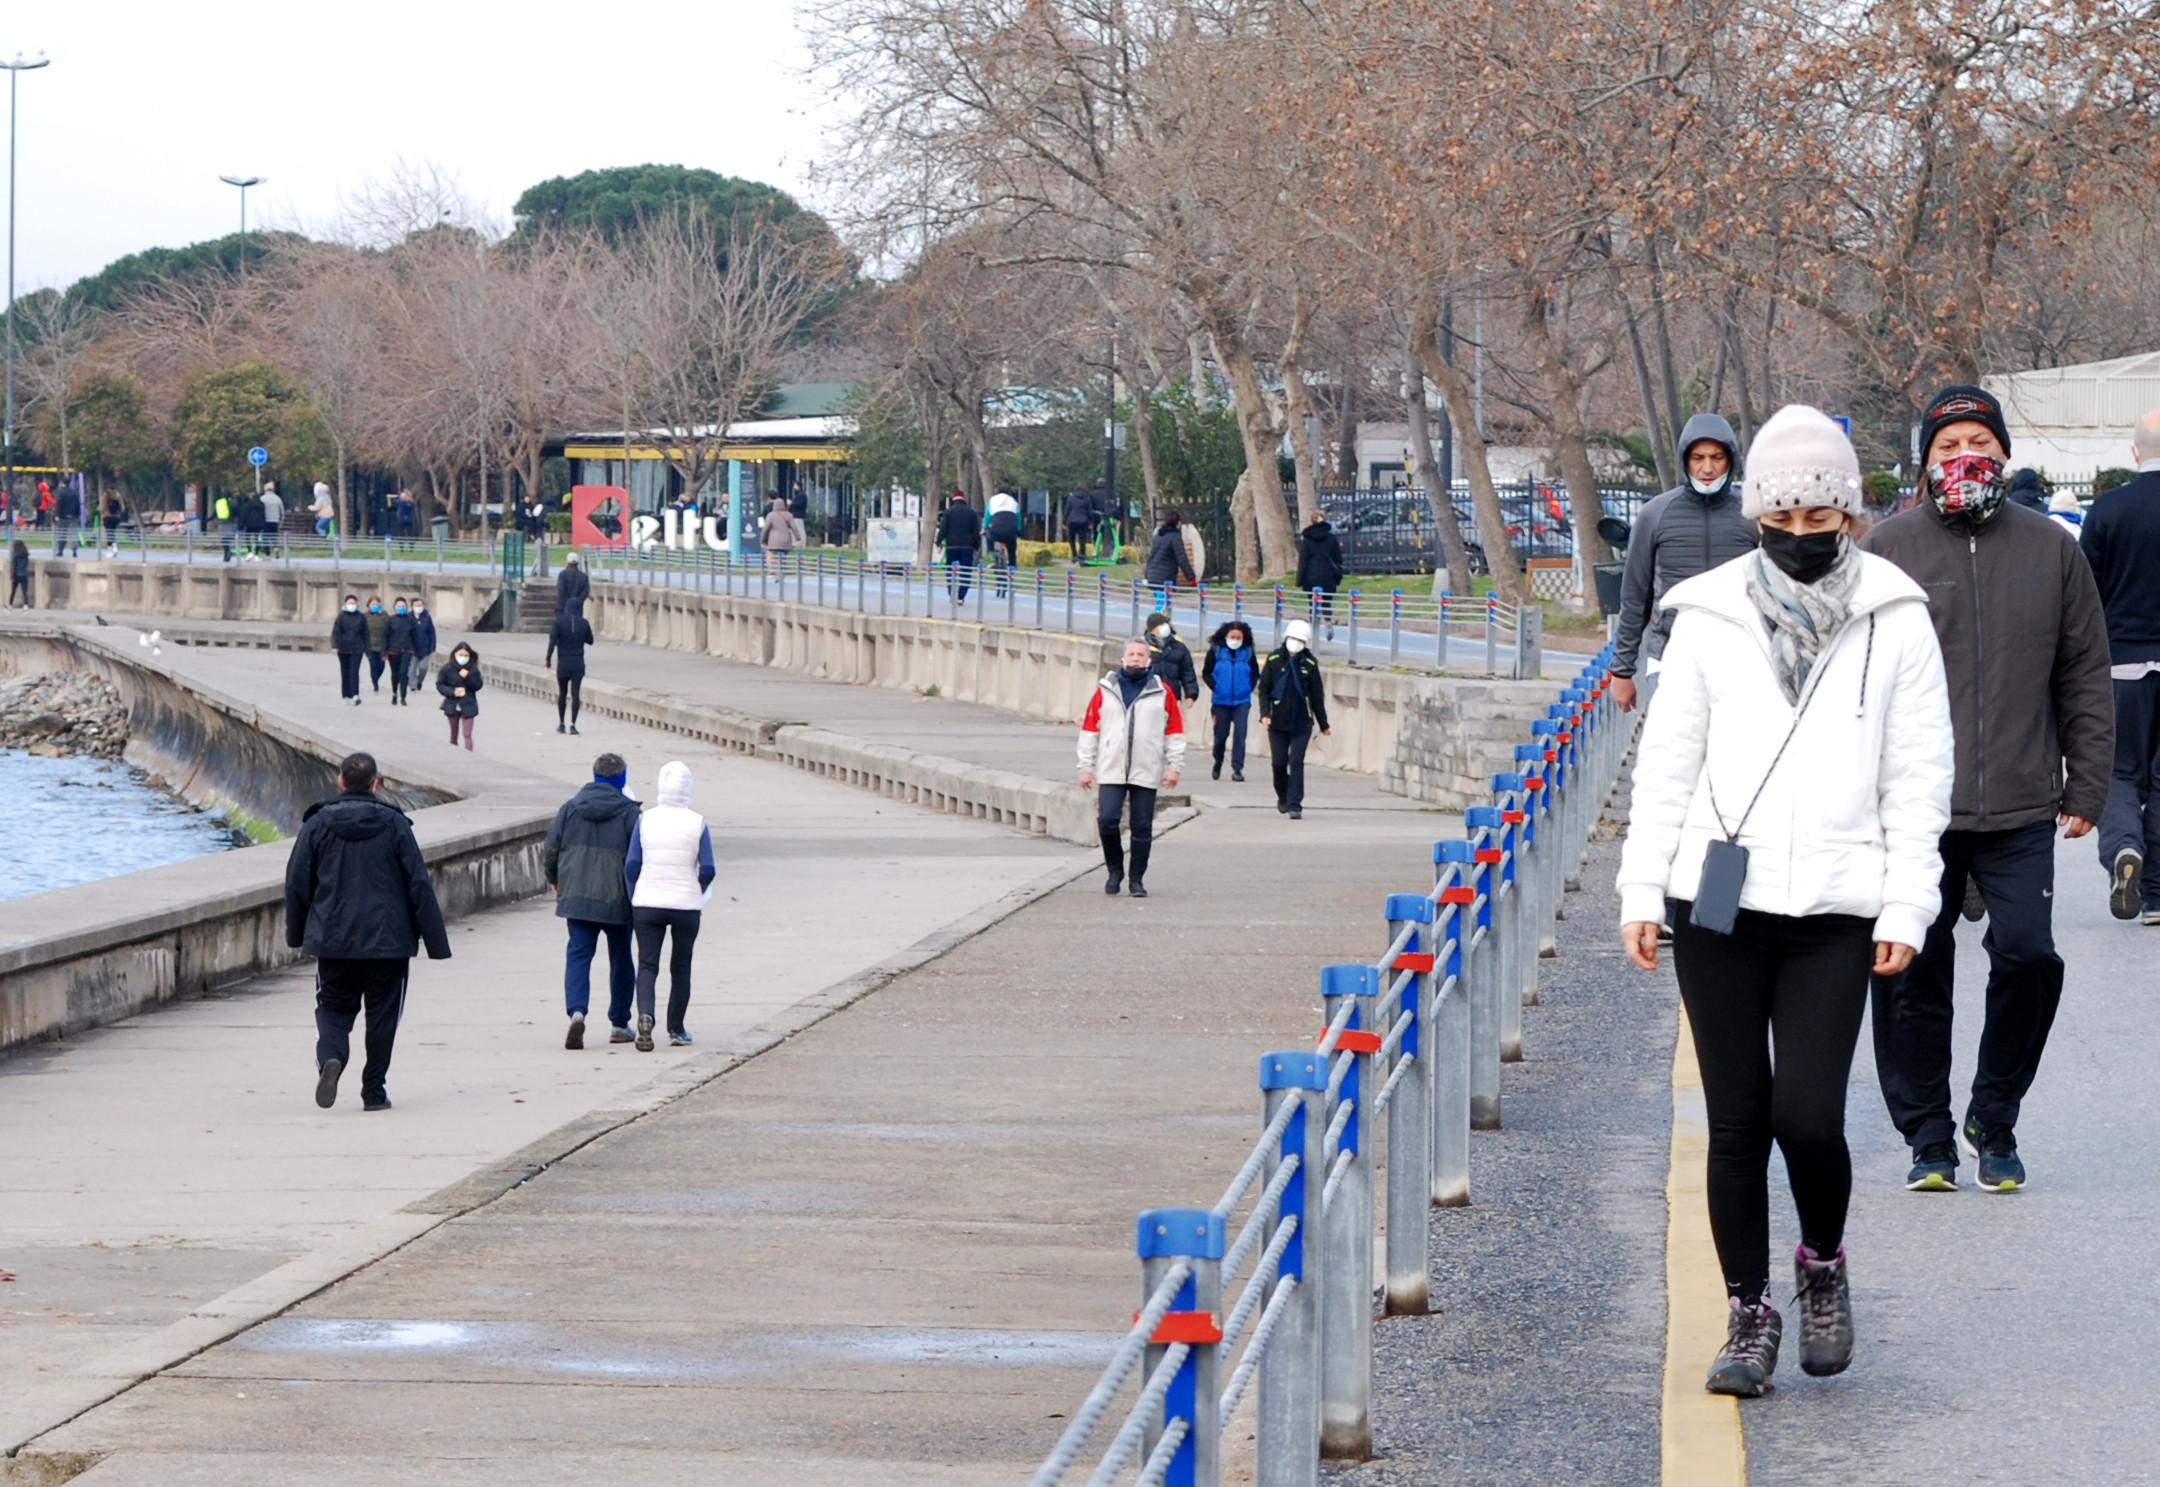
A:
[(17, 586), (1803, 983), (680, 927), (1112, 807), (569, 692)]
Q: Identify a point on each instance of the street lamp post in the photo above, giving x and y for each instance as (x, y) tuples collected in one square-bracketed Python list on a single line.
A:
[(15, 70), (243, 182)]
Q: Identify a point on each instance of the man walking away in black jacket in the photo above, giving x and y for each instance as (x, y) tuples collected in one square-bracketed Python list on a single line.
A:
[(1079, 522), (2025, 651), (358, 899), (566, 654), (1167, 560), (584, 856), (1293, 702), (1320, 569), (1690, 529), (572, 586), (2121, 540), (960, 529)]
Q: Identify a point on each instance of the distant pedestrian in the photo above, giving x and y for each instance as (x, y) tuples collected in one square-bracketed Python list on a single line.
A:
[(460, 683), (1232, 671), (2026, 491), (324, 510), (19, 574), (587, 852), (1167, 560), (566, 655), (2121, 540), (1320, 569), (1791, 782), (959, 529), (378, 637), (1004, 535), (1172, 658), (574, 585), (1293, 702), (348, 638), (400, 638), (273, 510), (250, 521), (776, 533), (2063, 510), (1079, 516), (358, 899), (2025, 648), (423, 643), (1690, 529), (1132, 744), (668, 871), (67, 521), (227, 513)]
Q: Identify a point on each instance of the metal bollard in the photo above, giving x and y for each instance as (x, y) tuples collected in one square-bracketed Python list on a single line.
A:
[(1394, 633), (1493, 969), (1409, 1112), (1346, 1228), (1135, 630), (1492, 636), (1353, 626), (1167, 1235), (1454, 932), (1288, 1447), (1525, 866), (1534, 762), (1102, 605)]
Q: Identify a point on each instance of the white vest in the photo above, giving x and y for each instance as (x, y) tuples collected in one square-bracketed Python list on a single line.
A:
[(668, 836)]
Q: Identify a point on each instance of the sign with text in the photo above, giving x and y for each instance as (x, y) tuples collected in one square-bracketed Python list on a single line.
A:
[(891, 539)]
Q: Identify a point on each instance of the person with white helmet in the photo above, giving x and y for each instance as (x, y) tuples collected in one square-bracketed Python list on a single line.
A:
[(1293, 702)]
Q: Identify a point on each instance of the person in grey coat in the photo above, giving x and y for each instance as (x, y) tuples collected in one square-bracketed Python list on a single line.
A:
[(583, 859), (1690, 529)]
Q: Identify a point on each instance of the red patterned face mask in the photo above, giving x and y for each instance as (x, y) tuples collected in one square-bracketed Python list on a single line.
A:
[(1967, 485)]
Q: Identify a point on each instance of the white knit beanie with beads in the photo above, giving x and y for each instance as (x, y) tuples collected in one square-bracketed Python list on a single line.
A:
[(1800, 457)]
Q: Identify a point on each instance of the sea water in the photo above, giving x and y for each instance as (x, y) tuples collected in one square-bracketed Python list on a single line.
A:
[(76, 820)]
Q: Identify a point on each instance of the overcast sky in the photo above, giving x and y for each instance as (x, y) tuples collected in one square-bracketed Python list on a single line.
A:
[(145, 105)]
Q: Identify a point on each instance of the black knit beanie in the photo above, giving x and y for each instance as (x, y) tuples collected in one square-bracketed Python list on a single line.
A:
[(1962, 404)]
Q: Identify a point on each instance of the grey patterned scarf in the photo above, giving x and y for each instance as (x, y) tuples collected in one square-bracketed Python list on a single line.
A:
[(1802, 618)]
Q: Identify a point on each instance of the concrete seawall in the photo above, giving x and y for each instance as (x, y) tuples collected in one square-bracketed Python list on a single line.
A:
[(78, 957)]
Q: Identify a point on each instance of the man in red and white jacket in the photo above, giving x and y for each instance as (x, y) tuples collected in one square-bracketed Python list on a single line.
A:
[(1132, 743)]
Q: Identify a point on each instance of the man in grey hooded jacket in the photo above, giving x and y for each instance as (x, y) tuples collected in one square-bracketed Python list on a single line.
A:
[(1690, 529)]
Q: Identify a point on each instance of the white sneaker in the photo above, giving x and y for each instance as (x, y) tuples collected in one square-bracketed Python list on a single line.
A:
[(2152, 916)]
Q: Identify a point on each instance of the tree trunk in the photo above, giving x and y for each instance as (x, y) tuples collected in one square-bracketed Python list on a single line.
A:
[(1564, 391), (1302, 416), (1144, 430), (1438, 497), (933, 467), (1660, 328), (1346, 411), (1202, 394), (1257, 432), (1244, 541), (1507, 573), (1661, 447)]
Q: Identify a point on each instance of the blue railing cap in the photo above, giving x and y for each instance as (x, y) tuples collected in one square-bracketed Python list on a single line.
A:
[(1530, 751), (1457, 852), (1409, 908), (1510, 781), (1299, 1068), (1179, 1233), (1487, 815), (1350, 979), (1544, 725)]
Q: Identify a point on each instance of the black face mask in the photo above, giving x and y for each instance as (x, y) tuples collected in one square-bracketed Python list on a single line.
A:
[(1804, 559)]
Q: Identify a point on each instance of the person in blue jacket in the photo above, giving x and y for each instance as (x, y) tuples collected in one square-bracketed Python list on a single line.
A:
[(1232, 669)]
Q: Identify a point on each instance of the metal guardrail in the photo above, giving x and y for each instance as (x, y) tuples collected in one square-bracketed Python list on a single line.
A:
[(284, 548), (1423, 632), (1416, 1038)]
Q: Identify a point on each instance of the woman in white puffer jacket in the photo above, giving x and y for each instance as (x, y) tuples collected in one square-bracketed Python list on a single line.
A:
[(1801, 714), (668, 871)]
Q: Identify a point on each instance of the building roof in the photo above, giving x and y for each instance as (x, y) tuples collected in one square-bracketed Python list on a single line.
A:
[(2099, 395), (810, 399)]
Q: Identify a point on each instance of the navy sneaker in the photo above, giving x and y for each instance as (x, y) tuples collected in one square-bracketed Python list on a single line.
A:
[(1994, 1152), (326, 1083), (374, 1102), (1934, 1169)]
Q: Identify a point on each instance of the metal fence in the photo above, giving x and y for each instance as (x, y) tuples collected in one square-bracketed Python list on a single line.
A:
[(1440, 632), (1415, 1039), (284, 548)]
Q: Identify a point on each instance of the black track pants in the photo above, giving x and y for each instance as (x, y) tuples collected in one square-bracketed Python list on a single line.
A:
[(1112, 808), (342, 987)]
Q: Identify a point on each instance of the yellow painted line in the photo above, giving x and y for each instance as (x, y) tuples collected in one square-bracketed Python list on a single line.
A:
[(1700, 1435)]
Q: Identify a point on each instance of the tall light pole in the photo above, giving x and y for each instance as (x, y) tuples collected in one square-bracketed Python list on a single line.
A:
[(15, 70), (243, 182)]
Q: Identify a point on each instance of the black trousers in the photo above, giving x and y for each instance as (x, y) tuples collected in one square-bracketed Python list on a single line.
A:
[(1286, 754), (959, 572), (2132, 817), (1076, 537), (1800, 984), (348, 674), (342, 987), (17, 586), (400, 674), (1230, 725), (2016, 873), (1111, 804), (680, 928), (569, 692), (375, 669)]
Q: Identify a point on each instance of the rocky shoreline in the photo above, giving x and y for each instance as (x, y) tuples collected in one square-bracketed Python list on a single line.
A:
[(63, 714)]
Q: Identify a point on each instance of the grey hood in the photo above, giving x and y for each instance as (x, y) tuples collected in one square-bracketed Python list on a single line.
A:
[(1713, 427)]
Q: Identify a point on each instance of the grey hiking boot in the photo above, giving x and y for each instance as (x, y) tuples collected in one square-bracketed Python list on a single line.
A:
[(1823, 1292), (1744, 1365)]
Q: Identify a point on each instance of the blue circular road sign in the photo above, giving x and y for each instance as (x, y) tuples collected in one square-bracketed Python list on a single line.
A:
[(258, 455)]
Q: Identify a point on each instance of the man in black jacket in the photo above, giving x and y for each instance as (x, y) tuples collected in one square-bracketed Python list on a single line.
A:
[(358, 899), (1320, 568), (2025, 651), (1079, 521), (584, 856), (572, 585), (1690, 529), (348, 638), (2121, 539), (959, 528), (1293, 702), (1172, 659)]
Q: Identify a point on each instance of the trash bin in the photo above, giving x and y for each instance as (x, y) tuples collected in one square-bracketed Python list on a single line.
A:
[(442, 529), (1608, 577)]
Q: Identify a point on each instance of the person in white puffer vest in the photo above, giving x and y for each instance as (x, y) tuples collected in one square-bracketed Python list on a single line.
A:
[(1791, 785), (669, 873)]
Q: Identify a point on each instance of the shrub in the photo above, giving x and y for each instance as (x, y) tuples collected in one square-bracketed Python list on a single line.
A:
[(1881, 488), (2106, 480)]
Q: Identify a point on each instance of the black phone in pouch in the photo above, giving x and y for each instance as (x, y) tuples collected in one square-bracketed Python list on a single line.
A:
[(1717, 896)]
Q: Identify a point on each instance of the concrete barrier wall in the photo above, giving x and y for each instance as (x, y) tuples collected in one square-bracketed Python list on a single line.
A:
[(254, 591), (79, 957)]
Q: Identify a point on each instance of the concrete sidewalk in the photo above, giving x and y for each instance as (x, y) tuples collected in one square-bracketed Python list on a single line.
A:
[(894, 1249)]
